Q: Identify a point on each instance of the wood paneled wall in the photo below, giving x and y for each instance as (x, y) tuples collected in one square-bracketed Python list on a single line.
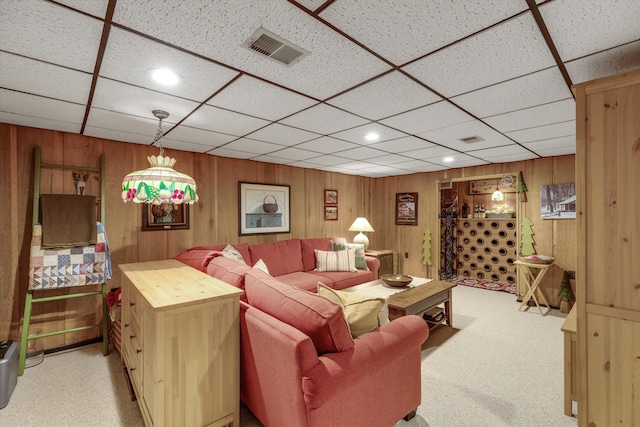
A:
[(214, 219)]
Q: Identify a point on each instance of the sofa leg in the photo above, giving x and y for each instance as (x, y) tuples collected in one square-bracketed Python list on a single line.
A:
[(410, 415)]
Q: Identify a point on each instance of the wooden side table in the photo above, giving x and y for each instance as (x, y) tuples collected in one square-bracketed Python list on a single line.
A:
[(387, 259), (532, 280)]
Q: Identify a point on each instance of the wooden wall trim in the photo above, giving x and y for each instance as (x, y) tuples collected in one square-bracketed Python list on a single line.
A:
[(618, 313)]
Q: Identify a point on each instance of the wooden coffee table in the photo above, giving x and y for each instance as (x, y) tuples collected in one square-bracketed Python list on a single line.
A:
[(421, 298)]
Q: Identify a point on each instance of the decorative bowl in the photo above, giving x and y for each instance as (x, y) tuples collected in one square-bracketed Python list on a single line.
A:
[(537, 259), (396, 280)]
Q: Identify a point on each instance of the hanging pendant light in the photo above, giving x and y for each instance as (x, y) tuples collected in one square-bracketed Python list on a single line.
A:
[(160, 183)]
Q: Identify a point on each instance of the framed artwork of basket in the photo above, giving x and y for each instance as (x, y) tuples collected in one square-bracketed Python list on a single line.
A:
[(263, 209)]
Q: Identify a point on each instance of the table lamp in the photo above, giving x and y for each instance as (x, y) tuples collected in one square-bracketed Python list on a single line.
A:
[(361, 224)]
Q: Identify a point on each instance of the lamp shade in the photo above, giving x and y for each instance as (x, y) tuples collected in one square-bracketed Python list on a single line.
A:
[(361, 224), (159, 184), (497, 196)]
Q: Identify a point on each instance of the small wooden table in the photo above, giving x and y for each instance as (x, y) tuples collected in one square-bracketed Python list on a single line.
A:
[(421, 298), (533, 292)]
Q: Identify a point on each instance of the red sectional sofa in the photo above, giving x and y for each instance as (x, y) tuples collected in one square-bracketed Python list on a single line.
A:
[(299, 365)]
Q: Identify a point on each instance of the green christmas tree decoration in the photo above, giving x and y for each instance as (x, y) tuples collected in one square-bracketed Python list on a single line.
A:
[(426, 248), (565, 295), (526, 238), (521, 187)]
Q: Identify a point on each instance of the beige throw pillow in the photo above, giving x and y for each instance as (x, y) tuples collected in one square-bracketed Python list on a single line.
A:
[(232, 253), (336, 261), (361, 311)]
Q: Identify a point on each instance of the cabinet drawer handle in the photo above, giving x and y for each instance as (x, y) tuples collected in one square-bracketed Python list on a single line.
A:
[(138, 351)]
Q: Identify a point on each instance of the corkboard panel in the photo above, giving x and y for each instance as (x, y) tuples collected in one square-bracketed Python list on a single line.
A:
[(9, 249)]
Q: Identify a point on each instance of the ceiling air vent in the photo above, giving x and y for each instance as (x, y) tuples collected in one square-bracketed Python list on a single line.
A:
[(274, 47), (471, 139)]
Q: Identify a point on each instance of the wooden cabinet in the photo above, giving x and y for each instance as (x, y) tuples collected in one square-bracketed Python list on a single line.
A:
[(388, 261), (608, 250), (180, 342)]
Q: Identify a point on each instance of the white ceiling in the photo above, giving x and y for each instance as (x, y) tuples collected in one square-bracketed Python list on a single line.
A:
[(421, 74)]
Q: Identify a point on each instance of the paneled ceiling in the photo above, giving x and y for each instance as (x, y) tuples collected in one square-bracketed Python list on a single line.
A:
[(421, 75)]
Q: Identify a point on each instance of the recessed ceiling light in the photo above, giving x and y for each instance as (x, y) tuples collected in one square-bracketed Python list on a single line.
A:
[(372, 136), (448, 159), (164, 76)]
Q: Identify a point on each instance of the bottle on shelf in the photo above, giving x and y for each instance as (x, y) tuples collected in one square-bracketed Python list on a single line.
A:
[(465, 210), (482, 211)]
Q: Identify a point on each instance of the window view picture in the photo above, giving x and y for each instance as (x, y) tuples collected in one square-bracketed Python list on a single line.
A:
[(558, 201), (264, 208)]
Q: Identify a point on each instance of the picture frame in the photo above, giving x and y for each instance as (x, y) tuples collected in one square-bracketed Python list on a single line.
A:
[(263, 209), (330, 213), (165, 217), (558, 201), (406, 208), (330, 197)]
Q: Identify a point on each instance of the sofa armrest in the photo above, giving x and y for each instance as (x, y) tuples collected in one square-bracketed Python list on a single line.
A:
[(373, 263), (382, 372)]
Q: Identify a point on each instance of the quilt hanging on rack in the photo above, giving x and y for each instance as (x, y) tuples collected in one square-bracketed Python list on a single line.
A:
[(64, 268)]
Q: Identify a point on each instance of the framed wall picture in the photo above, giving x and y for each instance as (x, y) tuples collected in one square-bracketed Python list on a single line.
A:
[(165, 217), (330, 213), (558, 201), (331, 197), (406, 208), (263, 209)]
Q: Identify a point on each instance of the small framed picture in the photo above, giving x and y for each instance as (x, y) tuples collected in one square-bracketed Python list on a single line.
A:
[(406, 208), (331, 197), (165, 217), (330, 213), (263, 209)]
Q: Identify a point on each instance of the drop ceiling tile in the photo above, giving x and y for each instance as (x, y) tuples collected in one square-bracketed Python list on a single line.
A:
[(383, 170), (386, 96), (506, 51), (568, 142), (174, 144), (555, 130), (117, 135), (508, 158), (357, 134), (401, 145), (283, 135), (252, 146), (96, 8), (402, 31), (128, 58), (294, 154), (49, 32), (38, 122), (429, 153), (223, 121), (608, 63), (356, 165), (412, 164), (123, 98), (326, 145), (200, 136), (334, 65), (450, 136), (328, 160), (578, 29), (323, 119), (557, 151), (234, 154), (427, 167), (553, 112), (141, 130), (271, 159), (489, 153), (388, 159), (312, 5), (361, 153), (257, 98), (39, 107), (434, 116), (459, 161), (527, 91), (39, 78)]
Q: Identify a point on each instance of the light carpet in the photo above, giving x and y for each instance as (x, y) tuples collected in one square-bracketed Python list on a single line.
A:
[(496, 367)]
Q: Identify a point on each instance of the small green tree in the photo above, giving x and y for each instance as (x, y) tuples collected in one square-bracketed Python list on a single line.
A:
[(527, 238), (426, 248), (521, 187), (565, 295)]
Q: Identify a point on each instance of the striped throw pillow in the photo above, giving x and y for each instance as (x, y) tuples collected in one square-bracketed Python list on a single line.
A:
[(336, 261)]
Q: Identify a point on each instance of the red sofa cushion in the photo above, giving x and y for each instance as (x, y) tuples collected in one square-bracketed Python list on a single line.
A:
[(316, 316), (229, 271), (281, 257), (243, 248), (197, 258), (308, 254)]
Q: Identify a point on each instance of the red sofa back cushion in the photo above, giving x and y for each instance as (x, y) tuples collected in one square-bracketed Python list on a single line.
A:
[(197, 258), (308, 255), (229, 271), (312, 314), (243, 248), (281, 257)]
